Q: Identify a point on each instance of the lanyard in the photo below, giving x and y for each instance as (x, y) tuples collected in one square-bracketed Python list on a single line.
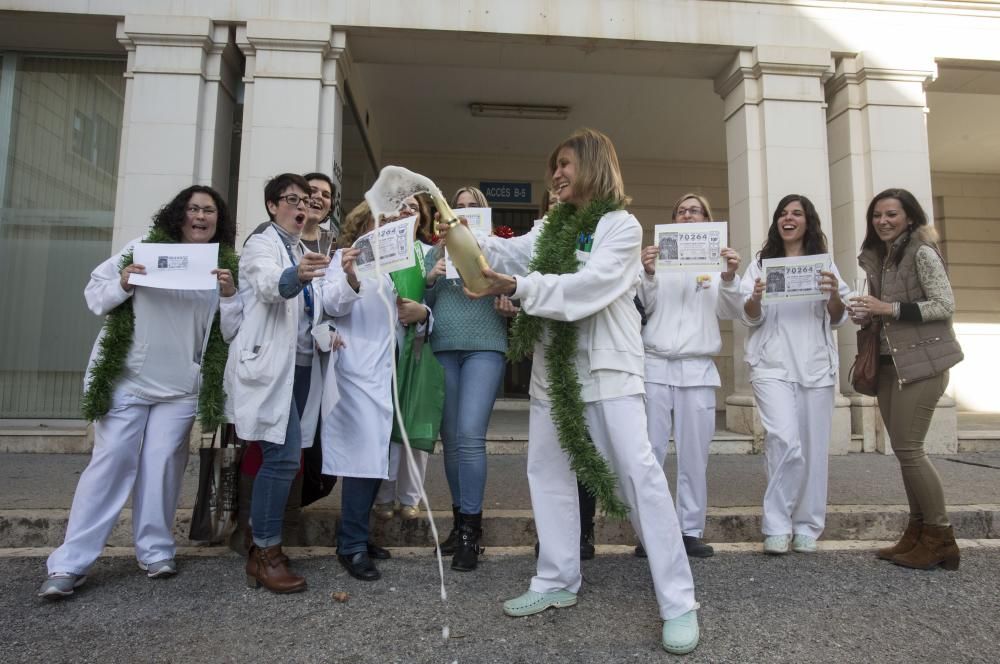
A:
[(307, 295)]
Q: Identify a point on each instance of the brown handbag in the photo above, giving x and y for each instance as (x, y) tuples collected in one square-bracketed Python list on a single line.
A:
[(864, 371)]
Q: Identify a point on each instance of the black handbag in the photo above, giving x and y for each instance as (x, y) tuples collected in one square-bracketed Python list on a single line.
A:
[(214, 516)]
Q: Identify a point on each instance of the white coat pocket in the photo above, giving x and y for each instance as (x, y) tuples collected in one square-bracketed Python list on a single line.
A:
[(254, 365)]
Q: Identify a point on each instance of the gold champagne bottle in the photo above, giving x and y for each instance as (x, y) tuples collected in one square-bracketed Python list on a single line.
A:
[(463, 248)]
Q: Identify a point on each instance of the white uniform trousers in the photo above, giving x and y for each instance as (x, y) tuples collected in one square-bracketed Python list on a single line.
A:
[(691, 413), (140, 449), (642, 485), (797, 422), (406, 487)]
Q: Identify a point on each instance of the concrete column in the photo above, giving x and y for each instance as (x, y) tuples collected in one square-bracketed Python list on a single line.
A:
[(293, 107), (179, 98), (877, 136), (775, 116)]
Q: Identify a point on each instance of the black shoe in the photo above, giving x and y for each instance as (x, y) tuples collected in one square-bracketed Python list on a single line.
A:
[(377, 552), (587, 544), (360, 566), (695, 548), (640, 551), (470, 530)]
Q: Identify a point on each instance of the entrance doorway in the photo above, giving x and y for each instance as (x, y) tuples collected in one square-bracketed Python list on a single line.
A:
[(518, 374)]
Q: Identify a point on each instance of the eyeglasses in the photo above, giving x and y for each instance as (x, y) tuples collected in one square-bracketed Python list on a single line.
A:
[(193, 210), (694, 209), (294, 199)]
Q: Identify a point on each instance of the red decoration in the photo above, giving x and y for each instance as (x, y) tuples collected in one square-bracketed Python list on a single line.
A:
[(503, 231)]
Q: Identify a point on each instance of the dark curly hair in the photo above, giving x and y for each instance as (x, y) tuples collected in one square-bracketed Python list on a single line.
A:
[(915, 216), (170, 218), (814, 241)]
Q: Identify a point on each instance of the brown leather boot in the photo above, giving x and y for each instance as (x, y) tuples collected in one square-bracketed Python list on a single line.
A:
[(905, 544), (936, 547), (269, 568)]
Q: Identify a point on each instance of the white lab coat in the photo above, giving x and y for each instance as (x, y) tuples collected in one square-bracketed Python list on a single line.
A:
[(355, 434), (260, 372)]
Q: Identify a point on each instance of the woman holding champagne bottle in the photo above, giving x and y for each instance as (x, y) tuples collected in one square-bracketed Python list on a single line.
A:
[(576, 280)]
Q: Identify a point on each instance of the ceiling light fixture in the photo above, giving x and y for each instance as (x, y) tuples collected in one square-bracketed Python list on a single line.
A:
[(518, 111)]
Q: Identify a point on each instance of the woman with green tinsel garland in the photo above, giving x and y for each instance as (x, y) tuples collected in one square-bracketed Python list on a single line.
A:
[(157, 362), (577, 278)]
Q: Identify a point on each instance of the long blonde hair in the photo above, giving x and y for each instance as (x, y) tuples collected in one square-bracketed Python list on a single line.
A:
[(599, 176)]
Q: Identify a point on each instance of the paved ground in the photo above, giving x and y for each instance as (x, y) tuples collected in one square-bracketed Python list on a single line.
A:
[(831, 607), (733, 480)]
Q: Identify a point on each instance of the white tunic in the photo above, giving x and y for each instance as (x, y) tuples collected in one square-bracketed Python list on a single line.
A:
[(598, 298), (164, 360), (791, 341), (682, 329)]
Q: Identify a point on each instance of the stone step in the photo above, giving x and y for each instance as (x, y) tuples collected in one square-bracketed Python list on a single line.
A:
[(46, 527)]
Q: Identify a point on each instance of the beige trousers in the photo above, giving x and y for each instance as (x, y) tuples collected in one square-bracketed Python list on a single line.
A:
[(907, 413)]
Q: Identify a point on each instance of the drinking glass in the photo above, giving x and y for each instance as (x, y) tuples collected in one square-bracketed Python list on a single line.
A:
[(860, 286), (327, 242)]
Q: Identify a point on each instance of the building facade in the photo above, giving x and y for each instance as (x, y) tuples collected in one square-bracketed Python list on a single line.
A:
[(108, 108)]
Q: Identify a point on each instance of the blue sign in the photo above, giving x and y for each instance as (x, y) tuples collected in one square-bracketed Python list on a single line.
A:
[(506, 192)]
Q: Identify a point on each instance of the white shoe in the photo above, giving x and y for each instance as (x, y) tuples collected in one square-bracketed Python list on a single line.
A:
[(60, 584), (681, 634), (804, 544), (776, 544), (160, 569)]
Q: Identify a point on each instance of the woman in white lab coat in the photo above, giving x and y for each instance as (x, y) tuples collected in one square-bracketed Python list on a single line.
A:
[(156, 364), (356, 430)]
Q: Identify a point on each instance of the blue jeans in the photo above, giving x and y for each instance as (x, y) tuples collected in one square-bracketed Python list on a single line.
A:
[(281, 464), (471, 381), (356, 500)]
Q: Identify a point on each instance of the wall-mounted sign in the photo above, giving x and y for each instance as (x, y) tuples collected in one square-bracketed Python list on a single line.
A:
[(506, 192)]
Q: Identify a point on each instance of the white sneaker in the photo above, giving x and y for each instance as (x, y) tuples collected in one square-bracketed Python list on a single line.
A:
[(776, 544), (804, 544), (60, 584), (160, 569)]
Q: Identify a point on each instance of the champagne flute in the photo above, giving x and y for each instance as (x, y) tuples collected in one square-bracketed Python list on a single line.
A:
[(326, 242), (860, 286), (859, 312)]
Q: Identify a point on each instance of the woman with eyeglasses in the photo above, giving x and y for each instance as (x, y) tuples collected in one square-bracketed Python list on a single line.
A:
[(274, 374), (157, 362), (680, 337), (793, 362)]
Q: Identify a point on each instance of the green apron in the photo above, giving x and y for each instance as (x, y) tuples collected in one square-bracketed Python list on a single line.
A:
[(418, 373)]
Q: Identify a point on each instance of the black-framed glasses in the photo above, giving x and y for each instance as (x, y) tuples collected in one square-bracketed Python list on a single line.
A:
[(294, 199), (694, 209), (193, 210)]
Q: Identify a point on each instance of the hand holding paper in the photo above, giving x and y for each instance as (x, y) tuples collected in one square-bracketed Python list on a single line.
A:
[(179, 266)]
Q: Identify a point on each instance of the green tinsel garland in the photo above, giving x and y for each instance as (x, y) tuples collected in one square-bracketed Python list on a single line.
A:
[(555, 253), (119, 331)]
